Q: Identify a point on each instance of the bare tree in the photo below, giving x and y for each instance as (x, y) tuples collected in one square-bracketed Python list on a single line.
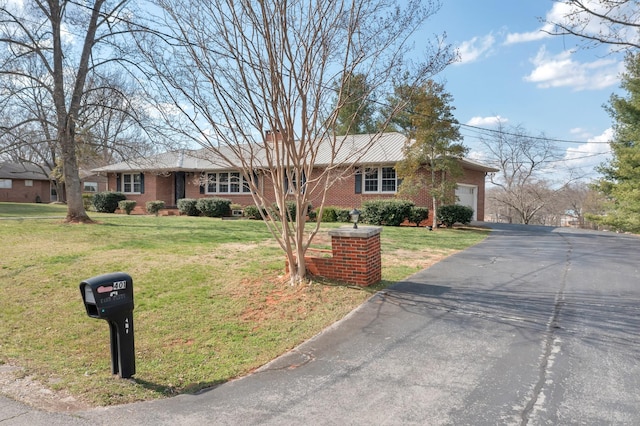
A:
[(524, 161), (256, 82), (612, 22), (51, 48)]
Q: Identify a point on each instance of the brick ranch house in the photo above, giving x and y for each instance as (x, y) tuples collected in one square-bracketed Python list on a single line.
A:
[(197, 173), (24, 183), (30, 183)]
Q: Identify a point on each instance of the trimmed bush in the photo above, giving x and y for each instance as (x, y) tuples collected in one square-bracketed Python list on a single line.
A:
[(107, 202), (214, 206), (252, 212), (87, 200), (336, 214), (386, 212), (291, 210), (454, 213), (329, 214), (188, 206), (127, 206), (342, 215), (418, 214), (154, 207)]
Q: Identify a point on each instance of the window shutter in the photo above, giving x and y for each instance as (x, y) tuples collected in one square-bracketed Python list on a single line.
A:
[(304, 182), (118, 182), (142, 183), (202, 187), (358, 177), (286, 182), (399, 180), (255, 179)]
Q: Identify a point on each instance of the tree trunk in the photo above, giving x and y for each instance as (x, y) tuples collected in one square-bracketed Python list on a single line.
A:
[(73, 190), (434, 222)]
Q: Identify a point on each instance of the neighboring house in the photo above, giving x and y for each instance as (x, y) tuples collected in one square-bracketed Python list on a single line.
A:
[(29, 183), (198, 173), (92, 182), (24, 183)]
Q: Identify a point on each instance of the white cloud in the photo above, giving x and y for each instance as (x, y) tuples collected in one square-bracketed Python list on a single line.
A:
[(562, 70), (474, 49), (487, 121), (592, 153), (557, 13), (580, 133), (513, 38), (568, 14)]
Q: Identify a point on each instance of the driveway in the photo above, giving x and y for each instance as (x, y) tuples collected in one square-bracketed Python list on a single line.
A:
[(533, 326)]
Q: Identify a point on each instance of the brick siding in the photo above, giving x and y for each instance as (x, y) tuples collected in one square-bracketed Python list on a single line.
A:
[(356, 257), (340, 194)]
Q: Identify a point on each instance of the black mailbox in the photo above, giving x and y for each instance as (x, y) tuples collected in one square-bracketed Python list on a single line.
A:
[(110, 297)]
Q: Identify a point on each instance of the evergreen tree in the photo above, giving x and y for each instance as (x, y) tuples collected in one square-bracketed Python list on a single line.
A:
[(355, 109), (433, 143), (621, 175)]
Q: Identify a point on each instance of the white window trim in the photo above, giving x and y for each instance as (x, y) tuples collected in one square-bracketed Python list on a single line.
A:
[(132, 183), (94, 186), (28, 182), (379, 186), (243, 184)]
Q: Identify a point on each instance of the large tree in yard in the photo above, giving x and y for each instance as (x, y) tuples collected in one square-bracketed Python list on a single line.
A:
[(620, 182), (612, 22), (49, 49), (525, 162), (257, 83), (433, 149), (357, 113)]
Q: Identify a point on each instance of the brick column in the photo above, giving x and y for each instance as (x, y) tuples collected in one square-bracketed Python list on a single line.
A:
[(356, 256)]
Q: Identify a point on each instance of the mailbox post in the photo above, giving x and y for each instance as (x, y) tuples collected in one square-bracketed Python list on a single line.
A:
[(110, 297)]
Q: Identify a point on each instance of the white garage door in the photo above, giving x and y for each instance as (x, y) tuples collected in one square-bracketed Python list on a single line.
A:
[(467, 195)]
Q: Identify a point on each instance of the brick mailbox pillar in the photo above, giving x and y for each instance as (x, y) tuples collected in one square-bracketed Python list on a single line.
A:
[(356, 257)]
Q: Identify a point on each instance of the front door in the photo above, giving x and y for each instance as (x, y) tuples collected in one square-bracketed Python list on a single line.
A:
[(180, 185)]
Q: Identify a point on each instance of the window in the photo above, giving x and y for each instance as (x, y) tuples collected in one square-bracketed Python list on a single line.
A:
[(28, 182), (227, 183), (293, 177), (380, 179), (90, 187), (132, 183), (5, 183)]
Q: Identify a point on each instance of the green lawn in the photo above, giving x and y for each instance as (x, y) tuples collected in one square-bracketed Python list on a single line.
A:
[(210, 299), (31, 210)]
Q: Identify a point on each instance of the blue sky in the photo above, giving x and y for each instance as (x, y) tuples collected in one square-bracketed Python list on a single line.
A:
[(511, 70)]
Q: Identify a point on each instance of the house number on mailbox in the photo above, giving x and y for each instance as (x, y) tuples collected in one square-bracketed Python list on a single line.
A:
[(119, 285)]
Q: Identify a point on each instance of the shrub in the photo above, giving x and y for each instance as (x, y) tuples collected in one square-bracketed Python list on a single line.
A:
[(154, 207), (329, 214), (252, 212), (336, 214), (291, 210), (214, 206), (451, 214), (107, 202), (87, 200), (342, 215), (386, 212), (418, 214), (127, 205), (188, 206)]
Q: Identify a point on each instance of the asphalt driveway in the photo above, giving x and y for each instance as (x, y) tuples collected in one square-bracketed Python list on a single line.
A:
[(532, 326)]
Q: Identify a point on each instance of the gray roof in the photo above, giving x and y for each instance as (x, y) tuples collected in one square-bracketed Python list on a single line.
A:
[(23, 171), (365, 149)]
